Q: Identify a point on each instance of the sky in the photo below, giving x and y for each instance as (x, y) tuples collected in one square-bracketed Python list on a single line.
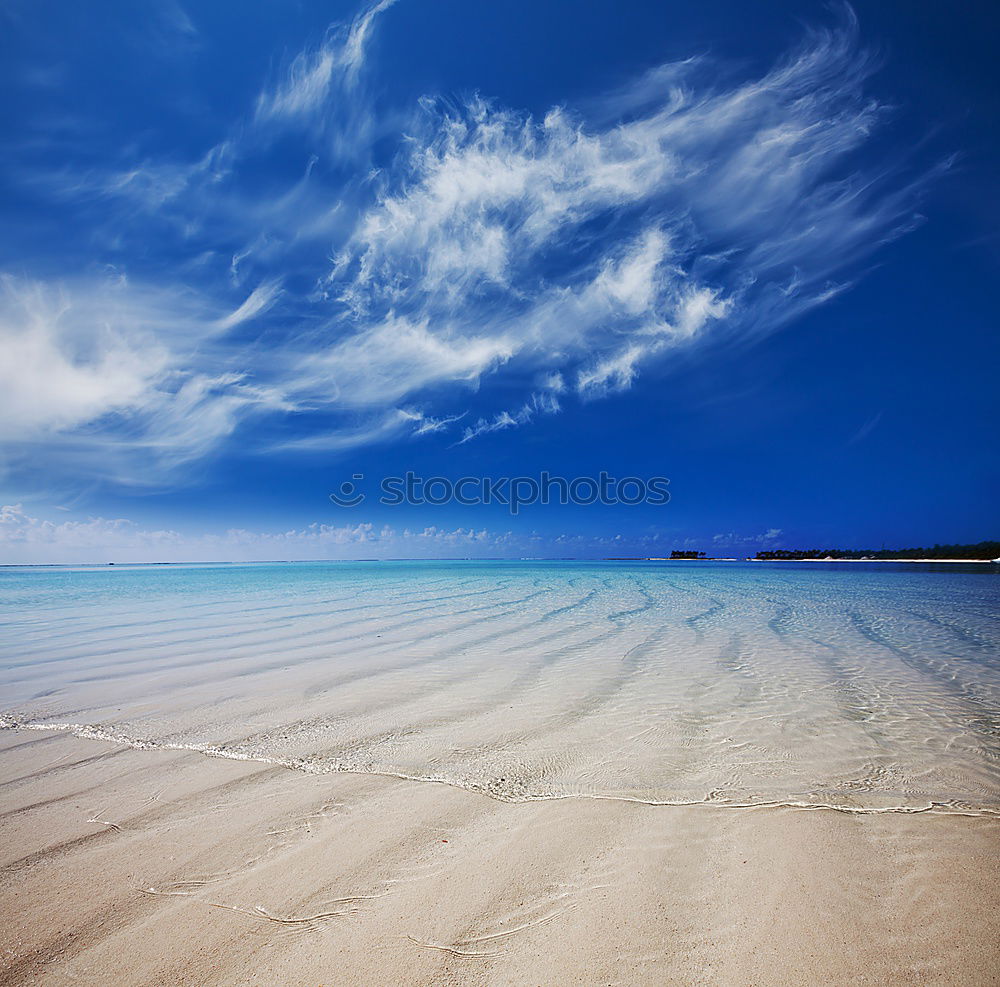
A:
[(250, 252)]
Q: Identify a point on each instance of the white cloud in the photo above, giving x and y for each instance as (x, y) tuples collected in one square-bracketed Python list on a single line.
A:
[(26, 539), (542, 403), (106, 369), (615, 373), (569, 254), (29, 540), (427, 425), (67, 362), (314, 75), (733, 207), (382, 427), (395, 358), (259, 300)]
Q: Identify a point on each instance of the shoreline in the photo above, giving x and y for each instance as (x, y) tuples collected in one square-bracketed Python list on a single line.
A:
[(653, 558), (94, 734), (893, 561), (150, 867), (100, 566)]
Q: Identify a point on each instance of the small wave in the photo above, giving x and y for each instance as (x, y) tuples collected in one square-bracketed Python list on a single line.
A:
[(500, 789)]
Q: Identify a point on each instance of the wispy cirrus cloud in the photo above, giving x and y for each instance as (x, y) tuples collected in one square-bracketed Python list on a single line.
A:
[(735, 207), (382, 294), (259, 300), (316, 74), (543, 403), (130, 377)]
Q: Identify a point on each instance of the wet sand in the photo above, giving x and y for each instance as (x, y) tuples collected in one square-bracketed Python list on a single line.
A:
[(154, 866)]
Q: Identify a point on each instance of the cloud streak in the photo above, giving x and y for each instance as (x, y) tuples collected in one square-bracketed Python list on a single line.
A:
[(316, 75), (399, 292)]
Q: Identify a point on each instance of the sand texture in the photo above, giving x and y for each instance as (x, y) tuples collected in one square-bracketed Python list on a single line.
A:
[(123, 866)]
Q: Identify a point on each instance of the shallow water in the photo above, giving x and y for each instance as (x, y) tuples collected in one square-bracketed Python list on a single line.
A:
[(863, 687)]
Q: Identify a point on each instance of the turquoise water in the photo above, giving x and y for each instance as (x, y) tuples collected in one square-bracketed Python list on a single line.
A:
[(866, 687)]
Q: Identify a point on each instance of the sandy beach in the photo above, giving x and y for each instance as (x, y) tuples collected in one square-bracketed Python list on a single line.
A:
[(426, 430), (486, 774), (149, 867)]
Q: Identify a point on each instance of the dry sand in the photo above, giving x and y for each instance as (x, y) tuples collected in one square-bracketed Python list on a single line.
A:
[(123, 866)]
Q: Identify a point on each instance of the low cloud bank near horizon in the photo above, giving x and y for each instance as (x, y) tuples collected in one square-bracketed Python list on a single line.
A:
[(29, 540)]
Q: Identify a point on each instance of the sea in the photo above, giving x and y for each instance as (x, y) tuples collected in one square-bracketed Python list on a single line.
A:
[(863, 687)]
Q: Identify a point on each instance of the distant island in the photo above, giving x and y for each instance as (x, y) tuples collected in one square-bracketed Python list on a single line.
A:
[(983, 551)]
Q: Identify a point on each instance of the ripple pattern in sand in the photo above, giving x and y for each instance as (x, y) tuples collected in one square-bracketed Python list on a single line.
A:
[(736, 685)]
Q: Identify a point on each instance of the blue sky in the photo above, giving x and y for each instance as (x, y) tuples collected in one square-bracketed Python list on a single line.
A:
[(248, 252)]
